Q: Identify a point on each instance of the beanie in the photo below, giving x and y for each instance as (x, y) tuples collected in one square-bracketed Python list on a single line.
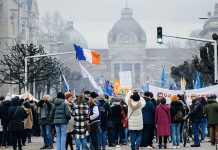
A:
[(174, 98), (135, 96), (68, 95)]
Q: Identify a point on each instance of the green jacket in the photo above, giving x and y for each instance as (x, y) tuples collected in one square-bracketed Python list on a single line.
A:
[(211, 111), (62, 112)]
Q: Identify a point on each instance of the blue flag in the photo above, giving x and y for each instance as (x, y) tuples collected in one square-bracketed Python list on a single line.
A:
[(66, 85), (108, 88), (123, 93), (198, 84), (171, 85), (163, 78)]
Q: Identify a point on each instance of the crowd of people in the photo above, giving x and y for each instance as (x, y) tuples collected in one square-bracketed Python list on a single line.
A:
[(92, 121)]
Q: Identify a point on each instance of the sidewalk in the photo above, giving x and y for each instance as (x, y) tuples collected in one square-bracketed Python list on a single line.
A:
[(37, 143)]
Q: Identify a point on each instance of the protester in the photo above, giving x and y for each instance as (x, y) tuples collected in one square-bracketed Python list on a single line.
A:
[(148, 121), (124, 113), (105, 112), (4, 108), (176, 114), (16, 115), (211, 111), (94, 120), (162, 121), (195, 115), (46, 116), (28, 123), (69, 101), (135, 120), (62, 115), (80, 113), (204, 122)]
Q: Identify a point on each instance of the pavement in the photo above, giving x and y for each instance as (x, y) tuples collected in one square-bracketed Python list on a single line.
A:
[(37, 142)]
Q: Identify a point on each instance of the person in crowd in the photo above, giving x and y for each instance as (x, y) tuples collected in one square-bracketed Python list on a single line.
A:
[(87, 95), (148, 113), (4, 108), (203, 123), (16, 115), (116, 117), (28, 123), (69, 140), (211, 111), (81, 116), (124, 113), (152, 99), (176, 114), (159, 96), (36, 126), (46, 116), (62, 115), (94, 120), (162, 121), (195, 115), (135, 120), (105, 112)]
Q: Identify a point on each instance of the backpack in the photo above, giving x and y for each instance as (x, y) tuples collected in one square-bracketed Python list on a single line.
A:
[(178, 116)]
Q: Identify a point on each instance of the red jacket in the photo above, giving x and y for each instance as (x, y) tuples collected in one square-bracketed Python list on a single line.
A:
[(163, 120)]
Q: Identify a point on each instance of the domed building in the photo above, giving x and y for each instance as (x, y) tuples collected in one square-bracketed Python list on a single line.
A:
[(127, 47), (74, 37)]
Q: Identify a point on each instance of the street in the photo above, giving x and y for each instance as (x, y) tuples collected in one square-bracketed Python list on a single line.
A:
[(37, 143)]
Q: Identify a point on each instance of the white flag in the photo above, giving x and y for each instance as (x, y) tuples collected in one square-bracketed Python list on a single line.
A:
[(86, 74)]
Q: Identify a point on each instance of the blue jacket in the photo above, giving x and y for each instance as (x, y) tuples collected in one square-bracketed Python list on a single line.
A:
[(148, 112)]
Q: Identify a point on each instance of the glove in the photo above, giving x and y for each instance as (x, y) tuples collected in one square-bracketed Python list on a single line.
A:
[(185, 118)]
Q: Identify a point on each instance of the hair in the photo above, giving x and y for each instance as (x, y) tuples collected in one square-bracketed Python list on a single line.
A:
[(87, 92), (2, 98), (68, 95), (106, 96), (163, 100), (151, 94), (61, 95), (93, 95), (147, 94)]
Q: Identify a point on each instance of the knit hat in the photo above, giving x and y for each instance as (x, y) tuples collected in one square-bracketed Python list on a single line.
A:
[(68, 95), (135, 96), (174, 98), (61, 95)]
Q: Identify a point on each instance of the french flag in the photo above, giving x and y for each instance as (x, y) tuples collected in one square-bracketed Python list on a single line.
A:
[(91, 56)]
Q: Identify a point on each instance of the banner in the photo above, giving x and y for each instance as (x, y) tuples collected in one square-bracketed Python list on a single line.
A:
[(125, 79), (202, 92)]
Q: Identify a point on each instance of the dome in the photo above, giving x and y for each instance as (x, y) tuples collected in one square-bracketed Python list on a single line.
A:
[(75, 37), (127, 25)]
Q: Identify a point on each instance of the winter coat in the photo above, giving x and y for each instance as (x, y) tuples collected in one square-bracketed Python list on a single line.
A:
[(162, 120), (28, 121), (70, 123), (46, 112), (211, 110), (116, 110), (4, 108), (196, 111), (81, 117), (16, 115), (135, 119), (148, 112), (62, 112), (105, 111), (174, 108)]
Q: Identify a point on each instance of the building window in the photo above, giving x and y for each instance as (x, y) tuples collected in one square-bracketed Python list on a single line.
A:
[(116, 71), (137, 74), (127, 67)]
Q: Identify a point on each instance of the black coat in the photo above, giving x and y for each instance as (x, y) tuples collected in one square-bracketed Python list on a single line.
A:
[(116, 109), (174, 108), (196, 111), (4, 108), (16, 116), (105, 111)]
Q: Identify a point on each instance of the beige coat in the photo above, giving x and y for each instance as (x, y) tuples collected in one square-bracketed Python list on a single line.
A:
[(70, 123), (28, 122), (135, 121)]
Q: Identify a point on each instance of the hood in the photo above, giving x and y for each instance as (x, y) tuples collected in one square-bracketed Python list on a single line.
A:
[(58, 101), (15, 101), (146, 99), (209, 101), (165, 107)]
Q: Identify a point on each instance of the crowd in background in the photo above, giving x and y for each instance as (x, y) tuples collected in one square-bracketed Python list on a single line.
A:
[(92, 121)]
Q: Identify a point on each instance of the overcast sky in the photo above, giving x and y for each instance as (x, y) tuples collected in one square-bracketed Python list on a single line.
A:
[(94, 18)]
